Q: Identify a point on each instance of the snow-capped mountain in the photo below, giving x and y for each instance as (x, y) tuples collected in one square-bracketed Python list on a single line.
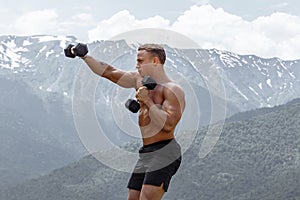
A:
[(223, 81), (37, 84), (249, 81), (259, 82)]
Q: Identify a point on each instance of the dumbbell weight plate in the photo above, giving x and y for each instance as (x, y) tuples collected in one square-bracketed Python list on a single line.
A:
[(80, 50), (68, 52), (132, 105)]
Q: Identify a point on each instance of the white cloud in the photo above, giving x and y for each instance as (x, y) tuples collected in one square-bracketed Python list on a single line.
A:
[(123, 21), (276, 35), (278, 26), (283, 32), (37, 22), (48, 22), (211, 28)]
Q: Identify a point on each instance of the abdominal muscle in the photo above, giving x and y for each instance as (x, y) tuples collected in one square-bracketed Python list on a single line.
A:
[(151, 132)]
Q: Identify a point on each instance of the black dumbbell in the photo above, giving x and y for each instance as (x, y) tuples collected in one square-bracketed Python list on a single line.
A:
[(79, 50), (132, 104)]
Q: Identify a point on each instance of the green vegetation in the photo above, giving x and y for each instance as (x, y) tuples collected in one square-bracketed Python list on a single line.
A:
[(256, 157)]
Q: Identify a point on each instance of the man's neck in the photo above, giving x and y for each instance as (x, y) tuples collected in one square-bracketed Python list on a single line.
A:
[(160, 77)]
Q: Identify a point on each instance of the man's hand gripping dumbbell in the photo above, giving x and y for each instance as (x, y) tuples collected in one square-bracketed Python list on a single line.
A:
[(79, 50), (132, 104)]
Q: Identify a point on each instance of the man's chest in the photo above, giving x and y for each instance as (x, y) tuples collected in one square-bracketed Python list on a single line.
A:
[(157, 95)]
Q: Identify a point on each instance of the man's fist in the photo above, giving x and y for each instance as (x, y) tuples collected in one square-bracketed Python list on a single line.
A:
[(79, 50)]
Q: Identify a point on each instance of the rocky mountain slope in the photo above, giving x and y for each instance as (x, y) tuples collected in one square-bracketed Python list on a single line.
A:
[(38, 85)]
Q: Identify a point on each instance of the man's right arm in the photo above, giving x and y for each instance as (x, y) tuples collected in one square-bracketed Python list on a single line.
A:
[(120, 77)]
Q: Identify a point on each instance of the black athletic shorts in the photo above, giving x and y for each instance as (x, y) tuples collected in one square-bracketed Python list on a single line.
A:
[(156, 165)]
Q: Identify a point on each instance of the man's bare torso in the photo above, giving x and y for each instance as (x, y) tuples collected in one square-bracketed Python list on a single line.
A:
[(150, 132)]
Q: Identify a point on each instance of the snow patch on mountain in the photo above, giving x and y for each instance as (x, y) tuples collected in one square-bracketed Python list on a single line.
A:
[(269, 83), (11, 55)]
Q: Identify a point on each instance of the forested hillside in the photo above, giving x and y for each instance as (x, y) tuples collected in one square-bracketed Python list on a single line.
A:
[(256, 157)]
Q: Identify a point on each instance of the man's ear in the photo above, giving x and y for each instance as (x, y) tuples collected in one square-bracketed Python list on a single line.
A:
[(156, 60)]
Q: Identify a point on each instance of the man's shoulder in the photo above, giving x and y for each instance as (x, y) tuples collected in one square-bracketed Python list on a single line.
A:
[(135, 74), (173, 87)]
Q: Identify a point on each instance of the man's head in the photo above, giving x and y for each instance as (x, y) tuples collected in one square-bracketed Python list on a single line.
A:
[(155, 50), (150, 58)]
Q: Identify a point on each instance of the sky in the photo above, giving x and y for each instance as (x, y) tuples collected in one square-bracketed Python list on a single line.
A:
[(266, 28)]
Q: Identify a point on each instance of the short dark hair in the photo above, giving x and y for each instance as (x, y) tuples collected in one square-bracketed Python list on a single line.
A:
[(155, 50)]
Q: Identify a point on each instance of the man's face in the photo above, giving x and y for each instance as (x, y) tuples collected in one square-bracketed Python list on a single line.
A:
[(144, 62)]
